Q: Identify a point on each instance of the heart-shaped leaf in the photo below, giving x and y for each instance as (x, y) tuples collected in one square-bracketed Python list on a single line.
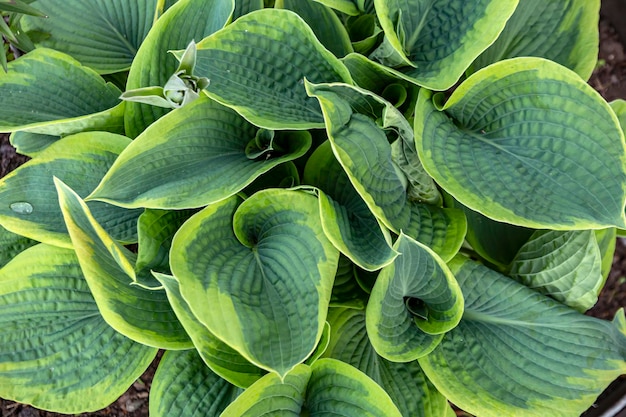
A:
[(28, 202), (57, 352), (259, 280), (185, 21), (271, 92), (137, 312), (183, 386), (528, 142), (518, 352), (564, 31), (431, 48), (49, 92), (414, 302)]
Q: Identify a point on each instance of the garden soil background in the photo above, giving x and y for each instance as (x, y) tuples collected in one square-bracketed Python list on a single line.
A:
[(609, 79)]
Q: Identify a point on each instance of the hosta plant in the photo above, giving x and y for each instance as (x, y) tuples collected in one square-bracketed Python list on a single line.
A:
[(338, 207)]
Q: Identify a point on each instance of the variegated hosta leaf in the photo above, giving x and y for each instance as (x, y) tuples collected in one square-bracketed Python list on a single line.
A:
[(194, 156), (184, 386), (564, 31), (380, 183), (346, 219), (347, 292), (243, 7), (414, 302), (49, 92), (28, 202), (259, 280), (406, 384), (606, 239), (565, 265), (185, 21), (57, 352), (328, 387), (432, 43), (137, 312), (12, 244), (257, 66), (518, 352), (325, 23), (221, 358), (526, 141), (101, 34), (29, 143), (348, 7)]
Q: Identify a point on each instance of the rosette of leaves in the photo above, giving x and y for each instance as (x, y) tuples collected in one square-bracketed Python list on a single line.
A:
[(305, 220)]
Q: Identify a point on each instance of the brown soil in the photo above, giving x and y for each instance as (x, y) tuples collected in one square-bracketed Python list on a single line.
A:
[(609, 79)]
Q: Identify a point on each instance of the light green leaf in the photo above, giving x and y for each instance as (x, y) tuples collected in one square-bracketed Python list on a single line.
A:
[(57, 353), (261, 279), (414, 302), (565, 32), (405, 383), (325, 24), (12, 244), (348, 7), (365, 33), (101, 34), (183, 386), (49, 92), (271, 92), (29, 143), (194, 156), (328, 387), (28, 202), (619, 107), (518, 352), (185, 21), (565, 265), (217, 355), (527, 142), (142, 314), (378, 180), (429, 47), (346, 219), (606, 242)]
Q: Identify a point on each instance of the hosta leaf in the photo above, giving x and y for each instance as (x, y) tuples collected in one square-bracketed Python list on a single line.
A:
[(57, 353), (526, 141), (261, 279), (347, 221), (101, 34), (348, 7), (325, 24), (405, 383), (270, 93), (221, 358), (566, 265), (12, 244), (619, 107), (183, 386), (28, 202), (192, 157), (328, 387), (518, 352), (414, 302), (243, 7), (564, 31), (29, 143), (49, 92), (346, 289), (141, 314), (606, 244), (365, 33), (185, 21), (436, 41), (376, 177)]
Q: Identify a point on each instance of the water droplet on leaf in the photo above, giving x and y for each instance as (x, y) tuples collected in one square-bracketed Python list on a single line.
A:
[(22, 207)]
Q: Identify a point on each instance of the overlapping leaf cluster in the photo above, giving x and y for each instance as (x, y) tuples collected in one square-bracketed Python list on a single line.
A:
[(355, 207)]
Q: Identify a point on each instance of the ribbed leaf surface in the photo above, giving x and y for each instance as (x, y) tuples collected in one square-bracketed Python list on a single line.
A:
[(190, 158), (518, 352), (260, 281), (141, 314), (183, 386), (257, 66), (414, 302), (28, 202), (526, 141), (12, 244), (101, 34), (45, 88), (56, 351)]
